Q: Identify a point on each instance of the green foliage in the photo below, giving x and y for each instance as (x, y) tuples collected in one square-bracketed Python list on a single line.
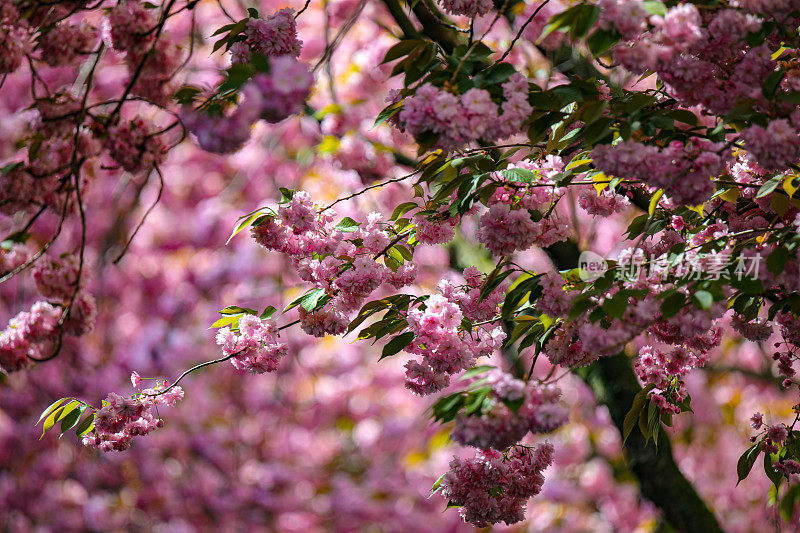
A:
[(67, 411)]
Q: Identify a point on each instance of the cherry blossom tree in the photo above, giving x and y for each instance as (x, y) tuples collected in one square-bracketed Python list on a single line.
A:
[(611, 184)]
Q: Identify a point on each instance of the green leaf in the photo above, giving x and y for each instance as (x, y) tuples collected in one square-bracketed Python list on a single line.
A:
[(579, 307), (583, 22), (236, 310), (388, 112), (247, 221), (637, 101), (654, 202), (655, 7), (616, 305), (474, 371), (223, 29), (186, 94), (448, 407), (267, 313), (632, 417), (684, 115), (776, 261), (85, 426), (56, 415), (770, 185), (592, 111), (789, 501), (310, 300), (69, 421), (791, 97), (396, 344), (654, 422), (492, 282), (403, 48), (703, 299), (636, 227), (402, 209), (773, 475), (286, 195), (577, 19), (10, 168), (601, 41), (672, 304), (314, 299), (499, 73), (436, 485), (227, 320), (475, 400), (50, 409), (347, 224), (520, 175), (746, 461), (643, 427), (771, 84)]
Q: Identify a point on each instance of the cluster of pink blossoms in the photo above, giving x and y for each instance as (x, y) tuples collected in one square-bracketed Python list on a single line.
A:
[(493, 487), (788, 353), (273, 97), (578, 342), (66, 43), (498, 427), (436, 229), (444, 347), (33, 334), (135, 145), (468, 8), (121, 418), (42, 180), (224, 133), (15, 39), (701, 60), (692, 331), (508, 226), (773, 437), (755, 330), (657, 367), (774, 147), (343, 264), (371, 163), (131, 25), (285, 89), (28, 335), (683, 171), (465, 118), (255, 348), (603, 204), (275, 35), (152, 60), (323, 322), (21, 190)]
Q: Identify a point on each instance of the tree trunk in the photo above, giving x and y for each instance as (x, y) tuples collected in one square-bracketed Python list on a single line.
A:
[(614, 384)]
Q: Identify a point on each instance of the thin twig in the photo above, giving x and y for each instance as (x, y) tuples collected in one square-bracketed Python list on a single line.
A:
[(308, 2), (521, 29), (365, 189), (144, 217)]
